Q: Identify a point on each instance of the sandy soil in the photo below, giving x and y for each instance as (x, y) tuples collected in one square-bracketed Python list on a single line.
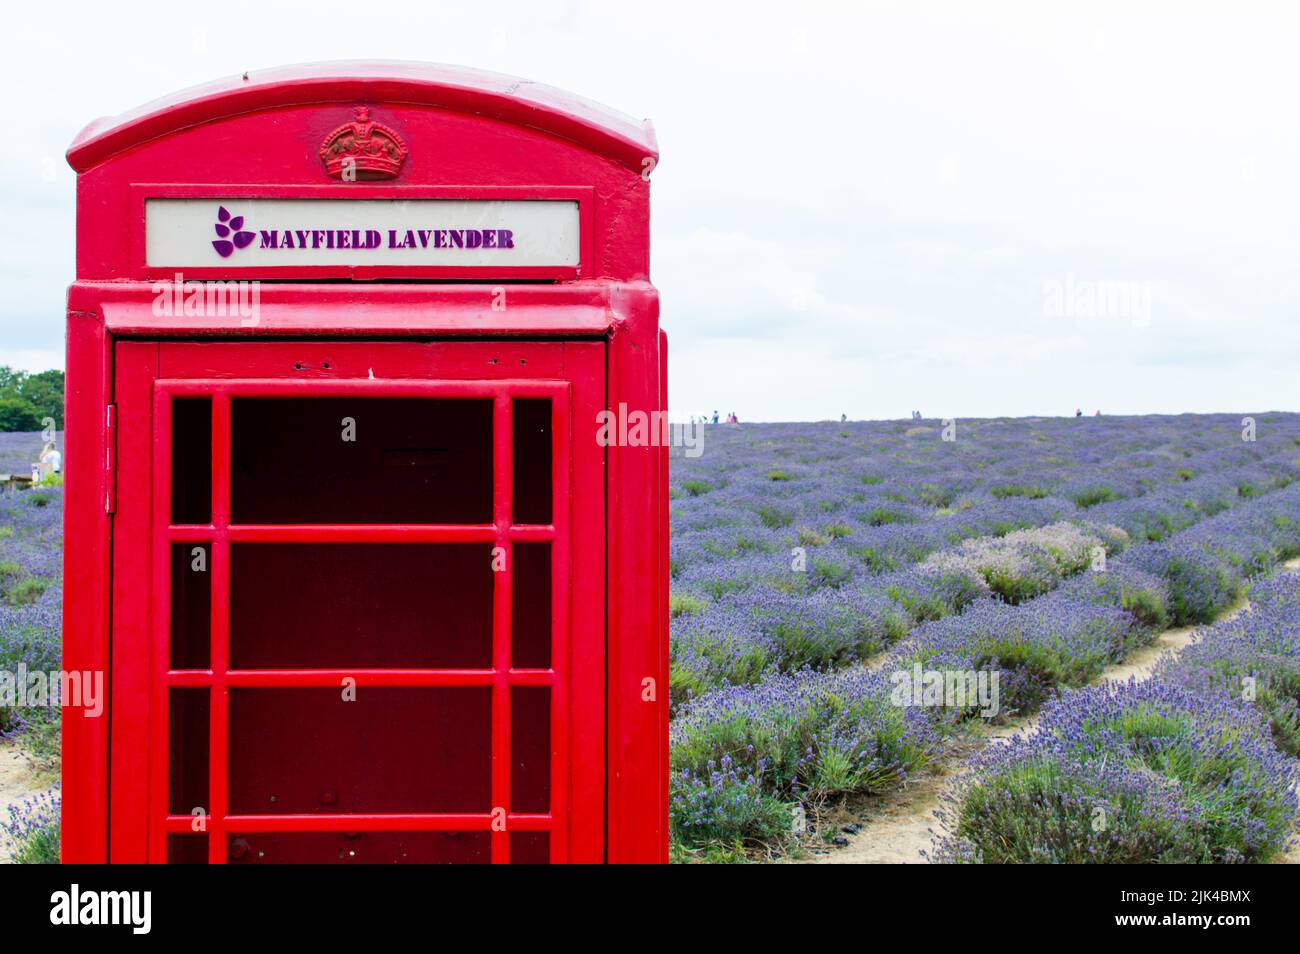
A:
[(16, 782), (897, 827)]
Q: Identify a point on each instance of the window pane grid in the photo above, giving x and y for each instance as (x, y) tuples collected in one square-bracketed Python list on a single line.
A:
[(501, 677)]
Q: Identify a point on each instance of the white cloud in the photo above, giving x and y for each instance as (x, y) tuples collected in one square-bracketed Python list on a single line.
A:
[(861, 201)]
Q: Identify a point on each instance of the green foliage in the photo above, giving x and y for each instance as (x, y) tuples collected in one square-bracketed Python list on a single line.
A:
[(18, 415), (877, 560), (683, 604), (933, 495), (879, 516), (26, 399), (25, 591), (1092, 496), (828, 573), (775, 517), (809, 537), (1019, 490)]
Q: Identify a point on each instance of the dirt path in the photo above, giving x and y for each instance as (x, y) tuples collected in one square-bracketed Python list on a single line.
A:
[(899, 829), (16, 782)]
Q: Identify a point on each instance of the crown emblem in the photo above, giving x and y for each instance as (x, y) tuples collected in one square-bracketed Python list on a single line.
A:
[(363, 149)]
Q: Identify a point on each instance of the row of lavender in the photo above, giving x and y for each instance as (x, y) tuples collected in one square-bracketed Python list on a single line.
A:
[(752, 601), (743, 755), (1196, 765), (888, 493), (31, 552), (31, 556)]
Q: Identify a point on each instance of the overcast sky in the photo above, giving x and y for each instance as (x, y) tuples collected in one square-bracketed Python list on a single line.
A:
[(967, 209)]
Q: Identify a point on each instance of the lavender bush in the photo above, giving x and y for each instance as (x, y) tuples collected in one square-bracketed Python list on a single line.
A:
[(743, 756), (1135, 774), (31, 555), (31, 834), (1254, 657)]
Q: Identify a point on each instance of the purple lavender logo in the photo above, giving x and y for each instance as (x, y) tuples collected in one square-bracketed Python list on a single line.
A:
[(230, 232)]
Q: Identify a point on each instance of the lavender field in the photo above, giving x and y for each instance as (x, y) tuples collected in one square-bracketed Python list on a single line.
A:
[(31, 570), (813, 564)]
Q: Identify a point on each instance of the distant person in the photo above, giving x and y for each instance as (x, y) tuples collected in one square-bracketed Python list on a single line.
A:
[(1098, 414), (715, 417), (844, 418), (1078, 412), (52, 458)]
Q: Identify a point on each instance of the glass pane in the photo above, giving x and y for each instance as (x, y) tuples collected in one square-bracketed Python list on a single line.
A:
[(532, 461), (191, 605), (189, 750), (333, 605), (531, 583), (530, 847), (361, 460), (530, 742), (187, 849), (191, 460), (392, 749), (363, 847)]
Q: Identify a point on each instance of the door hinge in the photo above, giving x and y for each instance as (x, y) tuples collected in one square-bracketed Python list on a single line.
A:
[(110, 458)]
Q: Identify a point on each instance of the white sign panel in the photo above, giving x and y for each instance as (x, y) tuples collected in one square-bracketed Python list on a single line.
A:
[(284, 233)]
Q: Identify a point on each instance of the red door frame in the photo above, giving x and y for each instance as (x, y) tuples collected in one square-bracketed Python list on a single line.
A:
[(150, 374)]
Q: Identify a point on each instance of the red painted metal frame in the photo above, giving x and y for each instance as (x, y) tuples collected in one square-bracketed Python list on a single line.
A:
[(637, 627), (582, 195), (86, 575), (469, 134), (344, 309), (580, 833), (493, 96)]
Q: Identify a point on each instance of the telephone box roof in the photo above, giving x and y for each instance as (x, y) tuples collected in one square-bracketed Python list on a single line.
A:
[(594, 127)]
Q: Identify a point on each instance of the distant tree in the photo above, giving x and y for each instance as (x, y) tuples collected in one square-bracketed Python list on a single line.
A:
[(41, 392), (18, 415), (44, 391)]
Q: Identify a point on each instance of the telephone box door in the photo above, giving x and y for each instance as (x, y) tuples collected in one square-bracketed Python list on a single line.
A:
[(358, 602)]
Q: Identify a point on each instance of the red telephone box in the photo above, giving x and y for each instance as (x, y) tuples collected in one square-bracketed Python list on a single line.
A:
[(342, 528)]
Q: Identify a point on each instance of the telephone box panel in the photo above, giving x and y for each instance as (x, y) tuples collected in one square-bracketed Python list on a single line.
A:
[(366, 581)]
